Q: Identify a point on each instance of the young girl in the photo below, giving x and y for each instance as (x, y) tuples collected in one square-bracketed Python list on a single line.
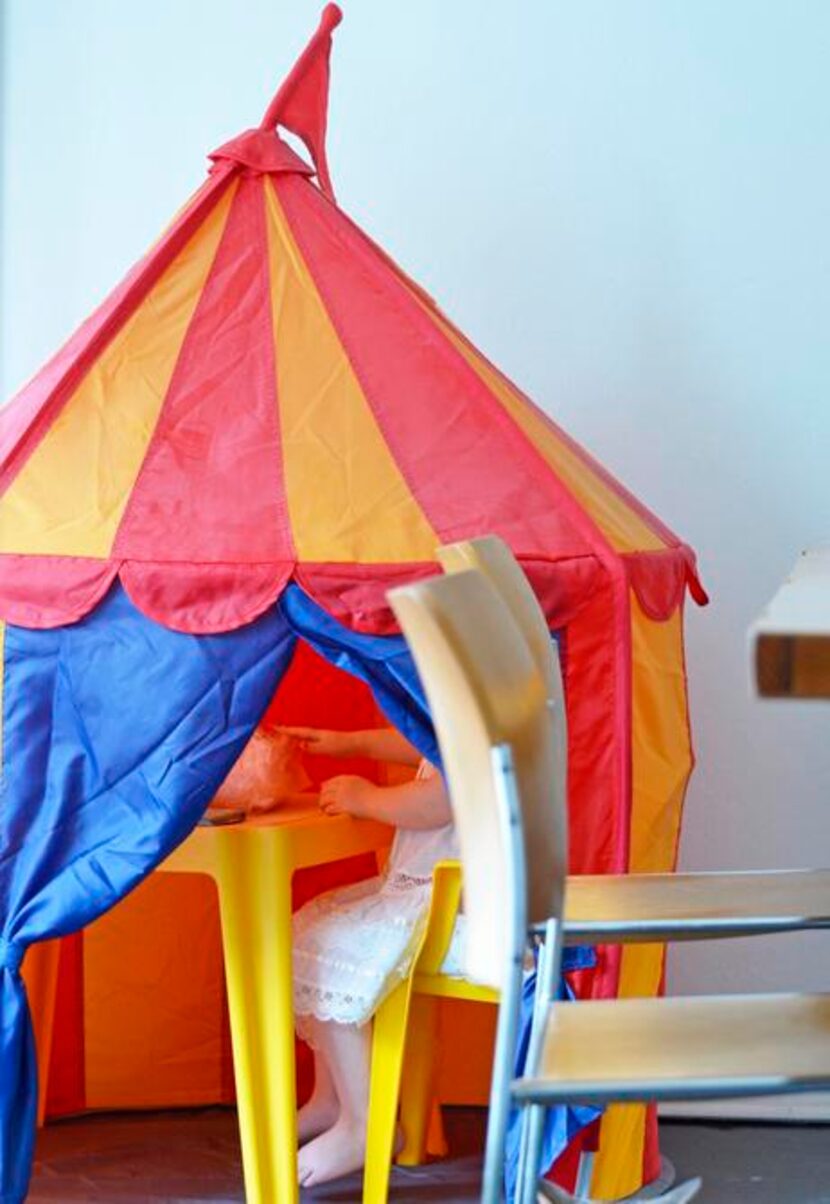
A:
[(354, 945)]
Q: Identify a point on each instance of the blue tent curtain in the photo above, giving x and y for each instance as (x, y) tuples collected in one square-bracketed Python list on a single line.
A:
[(116, 733)]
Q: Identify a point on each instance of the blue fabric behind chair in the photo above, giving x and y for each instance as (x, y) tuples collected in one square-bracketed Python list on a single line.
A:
[(562, 1123)]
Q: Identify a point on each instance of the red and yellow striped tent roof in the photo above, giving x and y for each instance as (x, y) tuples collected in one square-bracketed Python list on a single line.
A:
[(267, 397)]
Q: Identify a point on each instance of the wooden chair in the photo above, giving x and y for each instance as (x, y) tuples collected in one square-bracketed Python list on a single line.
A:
[(600, 909), (499, 744)]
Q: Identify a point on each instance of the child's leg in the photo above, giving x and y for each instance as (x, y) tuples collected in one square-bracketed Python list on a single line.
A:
[(342, 1148), (322, 1109)]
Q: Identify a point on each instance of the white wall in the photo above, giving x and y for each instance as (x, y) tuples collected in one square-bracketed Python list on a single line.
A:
[(626, 205)]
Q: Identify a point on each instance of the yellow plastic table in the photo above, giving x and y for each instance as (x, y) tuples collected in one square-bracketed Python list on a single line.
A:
[(252, 864)]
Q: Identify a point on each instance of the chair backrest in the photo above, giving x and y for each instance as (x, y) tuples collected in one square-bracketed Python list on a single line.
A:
[(492, 557), (486, 691)]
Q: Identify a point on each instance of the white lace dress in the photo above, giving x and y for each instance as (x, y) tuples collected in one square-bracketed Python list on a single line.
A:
[(353, 945)]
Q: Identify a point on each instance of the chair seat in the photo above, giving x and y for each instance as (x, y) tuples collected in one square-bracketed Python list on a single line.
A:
[(451, 986), (687, 1048), (644, 907)]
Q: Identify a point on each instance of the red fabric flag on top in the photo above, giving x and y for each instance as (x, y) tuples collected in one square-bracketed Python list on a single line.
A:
[(301, 105)]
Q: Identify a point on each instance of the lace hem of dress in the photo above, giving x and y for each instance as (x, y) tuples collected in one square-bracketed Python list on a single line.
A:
[(342, 1007), (399, 881)]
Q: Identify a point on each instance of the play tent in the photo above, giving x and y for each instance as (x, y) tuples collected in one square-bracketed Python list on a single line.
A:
[(259, 432)]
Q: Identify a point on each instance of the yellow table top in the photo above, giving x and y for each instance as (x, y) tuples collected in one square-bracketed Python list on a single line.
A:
[(300, 831)]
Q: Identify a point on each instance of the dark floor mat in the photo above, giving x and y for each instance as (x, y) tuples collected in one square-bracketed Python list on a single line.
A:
[(192, 1157)]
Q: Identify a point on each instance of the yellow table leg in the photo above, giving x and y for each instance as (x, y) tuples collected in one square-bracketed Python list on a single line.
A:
[(255, 901), (388, 1043)]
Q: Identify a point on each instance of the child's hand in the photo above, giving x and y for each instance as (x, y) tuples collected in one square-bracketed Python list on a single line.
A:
[(348, 795), (320, 742)]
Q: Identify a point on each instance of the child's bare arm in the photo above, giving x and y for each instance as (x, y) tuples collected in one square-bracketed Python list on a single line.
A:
[(379, 744), (387, 744), (422, 803)]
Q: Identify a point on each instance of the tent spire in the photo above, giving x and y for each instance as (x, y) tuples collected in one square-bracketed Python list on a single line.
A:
[(301, 104)]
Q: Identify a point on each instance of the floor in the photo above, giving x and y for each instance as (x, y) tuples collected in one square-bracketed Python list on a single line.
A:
[(193, 1158)]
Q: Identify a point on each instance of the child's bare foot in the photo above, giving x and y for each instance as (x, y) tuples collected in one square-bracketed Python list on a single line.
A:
[(338, 1152), (319, 1114)]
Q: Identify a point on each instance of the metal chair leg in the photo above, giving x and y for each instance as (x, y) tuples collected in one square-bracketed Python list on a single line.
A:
[(533, 1131), (585, 1174), (505, 1052), (533, 1118), (511, 994)]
